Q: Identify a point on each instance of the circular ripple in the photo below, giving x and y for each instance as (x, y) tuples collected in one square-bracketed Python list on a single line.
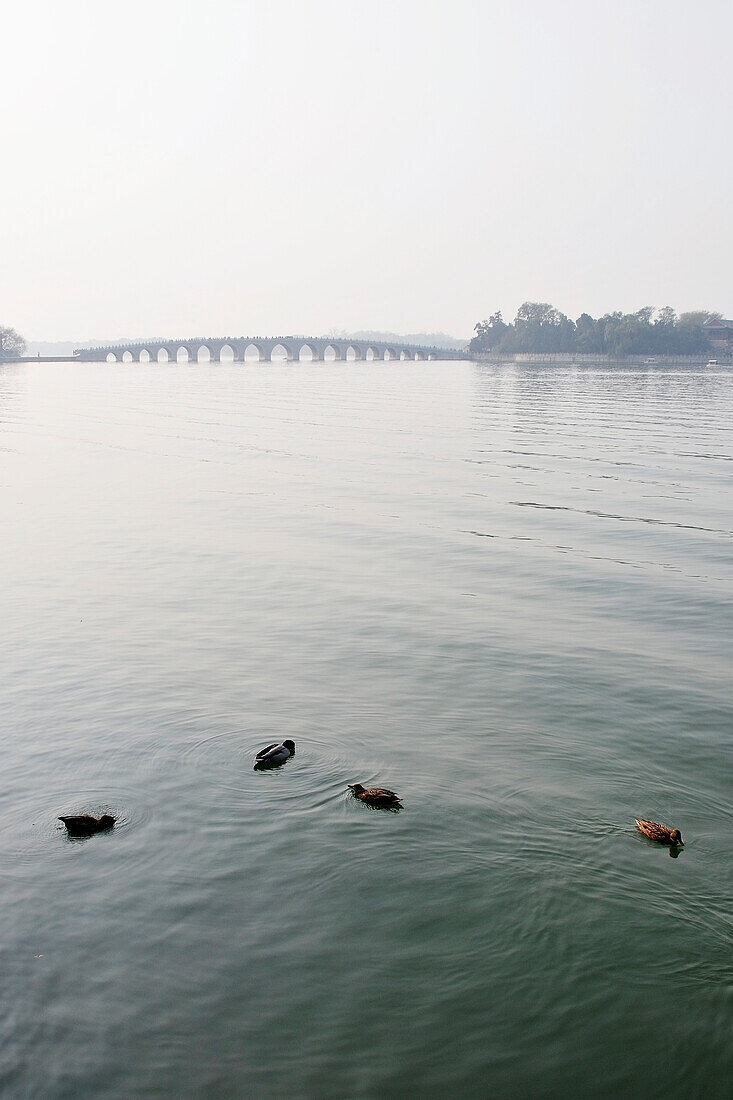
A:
[(318, 772), (35, 825)]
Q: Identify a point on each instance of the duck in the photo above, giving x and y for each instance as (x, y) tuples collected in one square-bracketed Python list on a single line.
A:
[(274, 755), (375, 796), (661, 833), (86, 825)]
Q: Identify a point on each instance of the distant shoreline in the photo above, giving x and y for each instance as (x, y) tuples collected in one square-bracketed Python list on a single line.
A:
[(478, 357), (581, 359), (38, 359)]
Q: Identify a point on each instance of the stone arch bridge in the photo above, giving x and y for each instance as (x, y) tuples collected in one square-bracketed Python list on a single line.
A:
[(258, 349)]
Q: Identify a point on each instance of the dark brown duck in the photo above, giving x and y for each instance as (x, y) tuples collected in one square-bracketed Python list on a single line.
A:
[(86, 825), (375, 796)]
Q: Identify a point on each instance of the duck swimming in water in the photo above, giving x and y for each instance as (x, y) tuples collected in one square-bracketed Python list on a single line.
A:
[(375, 796), (274, 755), (86, 825), (661, 833)]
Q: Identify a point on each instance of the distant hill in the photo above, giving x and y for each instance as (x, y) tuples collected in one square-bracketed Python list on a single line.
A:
[(66, 347), (50, 347), (428, 339)]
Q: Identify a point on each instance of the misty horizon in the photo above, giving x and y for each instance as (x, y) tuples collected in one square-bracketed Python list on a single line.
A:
[(310, 167)]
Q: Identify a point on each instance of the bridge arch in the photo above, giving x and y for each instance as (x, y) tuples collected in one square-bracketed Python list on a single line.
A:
[(144, 356), (227, 353), (163, 355), (352, 352), (111, 357), (127, 357), (312, 352), (331, 353), (252, 353), (203, 354), (279, 352), (182, 355)]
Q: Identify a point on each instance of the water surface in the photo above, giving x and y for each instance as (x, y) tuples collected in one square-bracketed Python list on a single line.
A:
[(503, 591)]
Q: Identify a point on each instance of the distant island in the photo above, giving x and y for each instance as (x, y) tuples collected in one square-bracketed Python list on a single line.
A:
[(540, 327)]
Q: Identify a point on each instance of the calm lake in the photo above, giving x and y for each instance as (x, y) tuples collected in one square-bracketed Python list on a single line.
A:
[(503, 591)]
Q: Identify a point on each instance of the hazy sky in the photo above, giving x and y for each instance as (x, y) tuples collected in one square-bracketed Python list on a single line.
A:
[(182, 167)]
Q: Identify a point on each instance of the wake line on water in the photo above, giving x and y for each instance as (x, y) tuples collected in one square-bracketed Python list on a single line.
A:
[(640, 564), (622, 519), (703, 454)]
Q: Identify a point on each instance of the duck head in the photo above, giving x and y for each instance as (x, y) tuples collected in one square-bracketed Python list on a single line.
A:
[(676, 837), (290, 746), (355, 787)]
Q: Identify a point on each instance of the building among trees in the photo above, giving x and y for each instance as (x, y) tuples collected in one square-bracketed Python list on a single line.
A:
[(720, 334)]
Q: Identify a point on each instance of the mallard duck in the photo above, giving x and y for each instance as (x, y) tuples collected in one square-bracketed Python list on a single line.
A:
[(86, 825), (661, 833), (375, 796), (274, 755)]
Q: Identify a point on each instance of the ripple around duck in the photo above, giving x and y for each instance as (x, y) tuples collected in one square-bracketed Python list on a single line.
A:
[(633, 873), (317, 773), (36, 826), (667, 798), (351, 797), (231, 747)]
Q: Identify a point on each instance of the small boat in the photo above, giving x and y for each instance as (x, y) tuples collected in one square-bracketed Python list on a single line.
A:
[(712, 363), (86, 825), (375, 796), (275, 754), (661, 833)]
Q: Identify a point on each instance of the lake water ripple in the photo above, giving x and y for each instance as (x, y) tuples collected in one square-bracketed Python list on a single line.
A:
[(504, 591)]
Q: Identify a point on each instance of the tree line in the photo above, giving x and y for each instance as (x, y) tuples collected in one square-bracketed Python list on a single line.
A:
[(539, 327)]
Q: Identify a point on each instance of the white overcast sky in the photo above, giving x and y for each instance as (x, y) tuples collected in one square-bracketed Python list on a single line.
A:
[(234, 167)]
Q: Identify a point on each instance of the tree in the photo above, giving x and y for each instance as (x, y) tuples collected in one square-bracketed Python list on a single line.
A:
[(665, 331), (541, 327), (629, 333), (588, 335), (691, 335), (489, 334), (11, 343)]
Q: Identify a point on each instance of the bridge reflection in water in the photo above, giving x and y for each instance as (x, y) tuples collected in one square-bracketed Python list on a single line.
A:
[(259, 349)]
